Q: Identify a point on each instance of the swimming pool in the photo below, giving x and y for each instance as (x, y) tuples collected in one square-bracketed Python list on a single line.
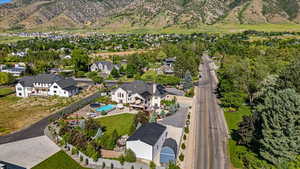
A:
[(106, 108)]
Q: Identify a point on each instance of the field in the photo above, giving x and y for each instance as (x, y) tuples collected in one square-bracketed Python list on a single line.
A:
[(121, 123), (59, 160), (17, 113), (5, 91), (216, 28), (11, 39)]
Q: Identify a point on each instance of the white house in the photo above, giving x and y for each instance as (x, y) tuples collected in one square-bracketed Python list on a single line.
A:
[(16, 71), (147, 141), (139, 94), (46, 85), (104, 66)]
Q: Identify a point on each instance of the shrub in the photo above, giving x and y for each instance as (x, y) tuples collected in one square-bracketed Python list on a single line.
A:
[(152, 165), (130, 156), (184, 137), (74, 151), (183, 146), (103, 113), (81, 158), (186, 130), (181, 157), (122, 159)]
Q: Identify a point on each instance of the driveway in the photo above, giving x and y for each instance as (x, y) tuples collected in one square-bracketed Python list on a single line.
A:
[(29, 152), (177, 119)]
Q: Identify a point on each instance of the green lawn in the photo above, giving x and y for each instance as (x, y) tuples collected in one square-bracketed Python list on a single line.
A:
[(233, 118), (122, 123), (59, 160), (5, 91)]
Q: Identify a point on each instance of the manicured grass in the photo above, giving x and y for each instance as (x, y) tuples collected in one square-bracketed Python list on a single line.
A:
[(233, 118), (122, 123), (59, 160), (5, 91)]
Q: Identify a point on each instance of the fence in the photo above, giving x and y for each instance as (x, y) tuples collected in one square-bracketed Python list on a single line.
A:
[(108, 163)]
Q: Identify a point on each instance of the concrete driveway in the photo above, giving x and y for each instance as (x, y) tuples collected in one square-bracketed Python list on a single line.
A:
[(29, 152)]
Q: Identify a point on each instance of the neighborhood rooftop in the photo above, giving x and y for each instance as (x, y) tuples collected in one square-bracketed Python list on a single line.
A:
[(143, 88), (64, 83), (148, 133)]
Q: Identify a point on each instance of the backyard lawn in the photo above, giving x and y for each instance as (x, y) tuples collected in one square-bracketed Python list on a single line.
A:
[(122, 123), (59, 160)]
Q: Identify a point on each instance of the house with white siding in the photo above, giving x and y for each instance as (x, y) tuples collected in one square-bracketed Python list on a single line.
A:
[(104, 67), (139, 94), (147, 141), (46, 85)]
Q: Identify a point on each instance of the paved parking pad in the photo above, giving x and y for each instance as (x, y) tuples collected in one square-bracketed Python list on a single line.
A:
[(29, 152)]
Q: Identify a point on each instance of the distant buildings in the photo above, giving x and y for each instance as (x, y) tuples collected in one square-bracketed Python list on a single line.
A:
[(168, 65), (16, 71), (46, 85), (147, 141)]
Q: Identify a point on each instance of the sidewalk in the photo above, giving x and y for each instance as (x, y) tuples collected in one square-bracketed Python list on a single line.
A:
[(189, 153)]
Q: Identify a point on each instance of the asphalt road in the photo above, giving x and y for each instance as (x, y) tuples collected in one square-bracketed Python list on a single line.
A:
[(211, 128), (35, 130)]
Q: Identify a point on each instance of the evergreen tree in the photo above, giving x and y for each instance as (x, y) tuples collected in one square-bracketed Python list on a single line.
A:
[(115, 73), (187, 81), (280, 115)]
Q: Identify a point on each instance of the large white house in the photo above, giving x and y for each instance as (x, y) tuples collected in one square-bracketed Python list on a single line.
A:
[(147, 141), (46, 85), (139, 94), (104, 66)]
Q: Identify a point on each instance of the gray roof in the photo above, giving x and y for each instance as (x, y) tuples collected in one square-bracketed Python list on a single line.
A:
[(143, 88), (65, 83), (108, 64), (148, 133), (169, 142)]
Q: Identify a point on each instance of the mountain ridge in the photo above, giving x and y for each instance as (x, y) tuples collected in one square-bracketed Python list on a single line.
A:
[(31, 14)]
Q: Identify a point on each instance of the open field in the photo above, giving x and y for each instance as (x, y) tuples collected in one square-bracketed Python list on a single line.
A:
[(217, 28), (5, 91), (122, 123), (17, 113), (59, 160), (11, 39)]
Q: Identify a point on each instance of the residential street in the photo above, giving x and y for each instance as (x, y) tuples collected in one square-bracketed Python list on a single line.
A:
[(210, 126)]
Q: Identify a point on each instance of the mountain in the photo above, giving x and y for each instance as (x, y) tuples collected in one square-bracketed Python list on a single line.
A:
[(144, 13)]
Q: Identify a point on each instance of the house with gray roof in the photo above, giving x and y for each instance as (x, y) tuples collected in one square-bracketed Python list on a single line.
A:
[(104, 67), (147, 141), (139, 94), (46, 85)]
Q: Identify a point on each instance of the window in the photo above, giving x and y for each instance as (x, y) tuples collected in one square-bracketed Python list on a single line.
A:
[(19, 88), (20, 94), (55, 87), (54, 91)]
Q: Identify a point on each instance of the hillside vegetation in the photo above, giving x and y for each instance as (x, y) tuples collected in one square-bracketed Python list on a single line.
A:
[(116, 14)]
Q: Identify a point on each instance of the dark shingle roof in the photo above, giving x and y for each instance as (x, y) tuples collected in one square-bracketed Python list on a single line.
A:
[(142, 88), (64, 83), (148, 133)]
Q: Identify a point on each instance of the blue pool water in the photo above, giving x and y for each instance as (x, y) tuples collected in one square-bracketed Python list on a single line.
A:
[(106, 108), (4, 1)]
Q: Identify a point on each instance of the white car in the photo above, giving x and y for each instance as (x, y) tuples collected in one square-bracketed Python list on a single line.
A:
[(92, 115)]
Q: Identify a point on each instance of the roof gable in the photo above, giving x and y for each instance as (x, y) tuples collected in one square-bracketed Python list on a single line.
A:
[(148, 133)]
